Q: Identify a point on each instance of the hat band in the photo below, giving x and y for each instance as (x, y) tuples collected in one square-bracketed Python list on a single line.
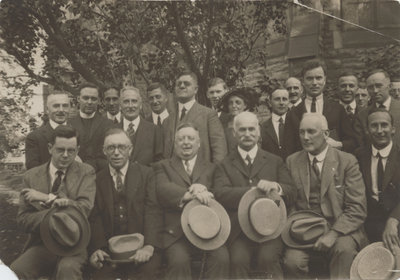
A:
[(219, 230)]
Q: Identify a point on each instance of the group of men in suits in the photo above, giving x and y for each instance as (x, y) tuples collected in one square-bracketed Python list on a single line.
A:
[(148, 169)]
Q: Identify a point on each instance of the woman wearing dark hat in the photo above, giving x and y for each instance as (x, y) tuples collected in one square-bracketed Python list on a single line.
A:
[(233, 103)]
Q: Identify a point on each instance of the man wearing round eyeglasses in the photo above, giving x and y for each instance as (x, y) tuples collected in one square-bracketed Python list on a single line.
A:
[(125, 203)]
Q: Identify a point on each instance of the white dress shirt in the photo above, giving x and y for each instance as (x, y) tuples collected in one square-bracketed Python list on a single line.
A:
[(275, 122), (135, 123), (386, 103), (54, 125), (114, 117), (188, 105), (320, 158), (319, 103), (123, 170), (252, 153), (374, 166), (163, 116)]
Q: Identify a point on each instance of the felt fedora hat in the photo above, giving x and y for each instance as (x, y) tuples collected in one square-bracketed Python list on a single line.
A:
[(206, 226), (65, 231), (261, 217), (303, 228), (376, 262), (122, 247)]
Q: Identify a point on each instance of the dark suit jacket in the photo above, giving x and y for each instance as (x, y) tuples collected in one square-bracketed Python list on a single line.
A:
[(172, 183), (232, 180), (147, 143), (360, 124), (212, 138), (343, 200), (92, 140), (338, 122), (142, 209), (36, 146), (78, 185), (269, 140)]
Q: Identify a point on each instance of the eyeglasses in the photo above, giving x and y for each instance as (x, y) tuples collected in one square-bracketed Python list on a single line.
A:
[(121, 148), (185, 83)]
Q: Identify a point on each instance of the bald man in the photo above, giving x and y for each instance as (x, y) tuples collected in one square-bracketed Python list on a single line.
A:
[(295, 89)]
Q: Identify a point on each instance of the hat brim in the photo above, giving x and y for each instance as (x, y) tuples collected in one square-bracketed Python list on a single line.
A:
[(243, 216), (110, 260), (354, 275), (285, 235), (56, 248), (219, 239)]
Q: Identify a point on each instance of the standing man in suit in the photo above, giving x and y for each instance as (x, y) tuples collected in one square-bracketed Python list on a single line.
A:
[(125, 203), (341, 134), (36, 143), (212, 137), (273, 130), (328, 182), (158, 100), (395, 92), (362, 96), (217, 88), (348, 86), (380, 165), (91, 126), (378, 86), (59, 183), (184, 177), (295, 89), (145, 136), (111, 103), (247, 167)]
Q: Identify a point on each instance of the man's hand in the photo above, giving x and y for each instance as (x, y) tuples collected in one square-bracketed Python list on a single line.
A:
[(144, 254), (32, 195), (326, 241), (187, 197), (204, 197), (197, 188), (268, 186), (97, 258), (390, 235), (61, 202), (333, 143)]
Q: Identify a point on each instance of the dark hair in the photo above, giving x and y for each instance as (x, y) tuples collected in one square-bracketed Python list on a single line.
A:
[(116, 130), (347, 73), (247, 94), (186, 124), (312, 64), (374, 110), (275, 88), (188, 73), (375, 71), (64, 131), (157, 85), (216, 81), (396, 79), (111, 87), (88, 85)]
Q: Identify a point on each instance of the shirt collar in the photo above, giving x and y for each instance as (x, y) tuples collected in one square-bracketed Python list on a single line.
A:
[(352, 104), (275, 117), (319, 97), (320, 157), (386, 103), (53, 169), (383, 152), (297, 102), (123, 170), (135, 123), (113, 117), (164, 114), (188, 105), (86, 116), (54, 125), (252, 153), (191, 161)]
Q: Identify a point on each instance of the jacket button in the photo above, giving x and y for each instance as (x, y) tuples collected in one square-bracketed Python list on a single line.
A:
[(171, 231), (251, 181)]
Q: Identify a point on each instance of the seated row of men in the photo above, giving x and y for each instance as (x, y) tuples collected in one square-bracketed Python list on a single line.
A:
[(126, 197)]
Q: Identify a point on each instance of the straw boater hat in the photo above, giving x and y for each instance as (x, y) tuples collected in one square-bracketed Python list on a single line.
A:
[(303, 228), (122, 247), (65, 231), (376, 262), (206, 226), (261, 218)]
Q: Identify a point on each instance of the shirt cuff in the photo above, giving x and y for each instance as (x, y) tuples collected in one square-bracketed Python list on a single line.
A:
[(51, 198), (280, 191)]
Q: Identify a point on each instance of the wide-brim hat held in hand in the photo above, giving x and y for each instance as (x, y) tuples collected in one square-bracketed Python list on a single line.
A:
[(123, 247)]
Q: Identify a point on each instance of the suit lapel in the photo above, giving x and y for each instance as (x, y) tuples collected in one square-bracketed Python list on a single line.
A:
[(138, 137), (271, 131), (237, 161), (107, 189), (48, 132), (132, 181), (258, 163), (71, 180), (198, 168), (177, 164), (365, 165), (329, 169), (43, 179), (304, 174), (391, 166), (193, 113)]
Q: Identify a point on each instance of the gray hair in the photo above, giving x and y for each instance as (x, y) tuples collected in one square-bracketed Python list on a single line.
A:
[(244, 115), (321, 119)]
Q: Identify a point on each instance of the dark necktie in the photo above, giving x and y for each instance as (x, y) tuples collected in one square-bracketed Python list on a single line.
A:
[(316, 168), (183, 113), (349, 110), (281, 130), (382, 106), (131, 129), (158, 120), (120, 185), (248, 161), (380, 174), (116, 120), (57, 181), (314, 105)]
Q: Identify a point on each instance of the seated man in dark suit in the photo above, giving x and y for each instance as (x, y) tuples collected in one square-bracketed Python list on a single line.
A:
[(91, 126), (125, 203), (111, 104), (273, 130), (60, 182), (146, 137), (36, 143), (247, 167), (380, 165), (341, 134), (347, 88), (184, 177), (158, 99)]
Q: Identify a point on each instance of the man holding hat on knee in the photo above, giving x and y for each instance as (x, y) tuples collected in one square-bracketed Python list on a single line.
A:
[(54, 206), (250, 183)]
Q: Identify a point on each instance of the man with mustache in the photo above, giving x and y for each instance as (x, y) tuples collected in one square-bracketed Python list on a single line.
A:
[(146, 137), (111, 103), (91, 126), (36, 143), (295, 89), (341, 134), (378, 86), (158, 100)]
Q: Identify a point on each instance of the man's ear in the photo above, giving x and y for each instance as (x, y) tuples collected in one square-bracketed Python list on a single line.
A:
[(49, 147), (326, 133)]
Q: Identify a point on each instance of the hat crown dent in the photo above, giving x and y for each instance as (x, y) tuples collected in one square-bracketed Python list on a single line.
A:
[(264, 216), (204, 222), (308, 230), (124, 244), (64, 229), (376, 264)]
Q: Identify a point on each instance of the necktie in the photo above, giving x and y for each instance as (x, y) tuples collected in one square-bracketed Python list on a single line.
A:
[(183, 113), (187, 168), (119, 184), (131, 129), (380, 174), (115, 120), (349, 110), (315, 167), (248, 161), (281, 130), (57, 181), (158, 120), (313, 105), (382, 106)]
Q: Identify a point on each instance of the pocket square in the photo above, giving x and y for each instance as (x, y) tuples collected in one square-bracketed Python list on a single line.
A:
[(338, 186)]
